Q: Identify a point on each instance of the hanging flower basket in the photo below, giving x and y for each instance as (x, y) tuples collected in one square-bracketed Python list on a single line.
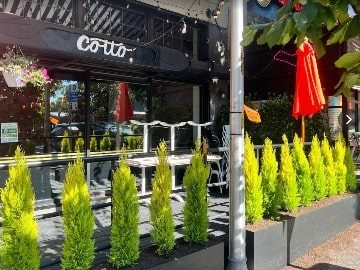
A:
[(13, 80), (18, 70)]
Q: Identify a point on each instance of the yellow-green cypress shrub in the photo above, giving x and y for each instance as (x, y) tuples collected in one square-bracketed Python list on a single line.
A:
[(317, 170), (331, 181), (270, 183), (79, 143), (162, 232), (19, 237), (302, 170), (253, 188), (196, 221), (340, 167), (65, 143), (125, 217), (290, 199), (105, 144), (93, 144), (351, 180), (78, 219)]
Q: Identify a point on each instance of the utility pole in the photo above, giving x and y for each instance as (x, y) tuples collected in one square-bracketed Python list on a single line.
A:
[(237, 255)]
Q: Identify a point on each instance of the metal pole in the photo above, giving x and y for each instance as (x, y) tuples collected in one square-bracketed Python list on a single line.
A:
[(237, 256)]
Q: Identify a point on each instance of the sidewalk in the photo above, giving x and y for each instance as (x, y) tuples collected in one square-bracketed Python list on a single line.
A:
[(341, 252)]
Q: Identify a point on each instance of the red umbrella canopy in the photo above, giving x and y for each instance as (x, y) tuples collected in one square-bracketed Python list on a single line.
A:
[(123, 111), (309, 98)]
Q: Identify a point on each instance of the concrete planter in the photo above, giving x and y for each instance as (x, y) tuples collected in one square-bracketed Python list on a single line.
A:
[(276, 246), (314, 228), (266, 249), (210, 258)]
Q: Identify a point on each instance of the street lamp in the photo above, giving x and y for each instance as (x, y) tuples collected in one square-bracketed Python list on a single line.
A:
[(237, 255)]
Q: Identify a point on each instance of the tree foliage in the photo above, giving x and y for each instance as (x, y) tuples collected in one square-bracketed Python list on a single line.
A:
[(78, 249), (302, 169), (161, 220), (315, 20), (196, 221), (19, 237), (125, 218), (317, 170), (270, 183), (253, 187), (289, 189), (93, 144), (331, 180)]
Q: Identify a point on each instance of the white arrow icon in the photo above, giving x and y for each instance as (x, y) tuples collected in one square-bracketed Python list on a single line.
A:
[(348, 121)]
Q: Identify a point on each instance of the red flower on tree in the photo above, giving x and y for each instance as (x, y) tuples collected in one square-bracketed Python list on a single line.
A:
[(297, 6)]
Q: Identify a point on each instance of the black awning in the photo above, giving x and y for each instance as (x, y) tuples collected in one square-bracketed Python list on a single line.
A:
[(76, 49)]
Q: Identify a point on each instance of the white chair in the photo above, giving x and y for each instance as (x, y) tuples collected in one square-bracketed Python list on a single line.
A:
[(226, 160)]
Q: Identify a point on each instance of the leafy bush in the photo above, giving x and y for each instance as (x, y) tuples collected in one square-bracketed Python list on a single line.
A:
[(317, 170), (253, 189), (331, 181), (105, 144), (289, 189), (340, 167), (162, 232), (269, 176), (93, 144), (79, 143), (65, 143), (302, 171), (351, 181), (196, 221), (19, 237), (276, 120), (125, 218), (78, 249)]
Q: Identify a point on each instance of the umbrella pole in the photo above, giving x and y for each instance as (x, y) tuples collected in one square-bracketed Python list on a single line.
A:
[(303, 129)]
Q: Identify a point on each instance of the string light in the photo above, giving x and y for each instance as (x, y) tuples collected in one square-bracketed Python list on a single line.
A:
[(196, 19), (127, 6), (131, 60), (183, 30)]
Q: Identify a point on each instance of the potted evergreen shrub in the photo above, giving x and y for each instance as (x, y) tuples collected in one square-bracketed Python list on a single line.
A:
[(19, 237), (196, 222), (78, 219), (161, 220)]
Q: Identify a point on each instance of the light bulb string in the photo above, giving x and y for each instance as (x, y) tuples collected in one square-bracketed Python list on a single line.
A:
[(164, 34)]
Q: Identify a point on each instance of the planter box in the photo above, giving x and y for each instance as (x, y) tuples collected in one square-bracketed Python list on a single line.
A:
[(210, 258), (266, 249), (314, 228)]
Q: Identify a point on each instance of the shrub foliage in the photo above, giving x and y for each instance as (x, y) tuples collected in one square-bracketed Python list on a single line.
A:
[(290, 199), (19, 237), (125, 217), (317, 170), (302, 170), (196, 221), (269, 177), (78, 249), (331, 181), (65, 143), (93, 144), (105, 143), (340, 167), (253, 189), (351, 181), (162, 232), (79, 143)]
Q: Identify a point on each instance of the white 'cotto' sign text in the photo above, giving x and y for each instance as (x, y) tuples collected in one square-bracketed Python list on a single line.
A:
[(85, 43)]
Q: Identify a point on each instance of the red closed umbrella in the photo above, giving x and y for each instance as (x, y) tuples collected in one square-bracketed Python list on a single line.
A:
[(123, 109), (309, 98)]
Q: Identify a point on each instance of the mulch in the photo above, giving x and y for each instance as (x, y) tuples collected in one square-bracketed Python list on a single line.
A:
[(148, 257)]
